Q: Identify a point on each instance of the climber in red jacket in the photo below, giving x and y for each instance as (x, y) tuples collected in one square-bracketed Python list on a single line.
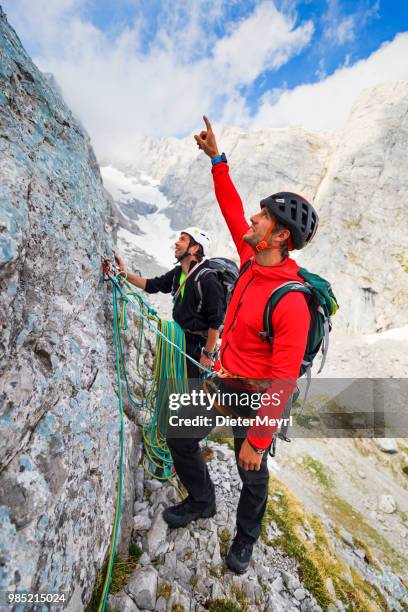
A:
[(284, 221)]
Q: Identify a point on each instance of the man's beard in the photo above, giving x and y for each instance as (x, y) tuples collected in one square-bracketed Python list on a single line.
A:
[(181, 256), (250, 238)]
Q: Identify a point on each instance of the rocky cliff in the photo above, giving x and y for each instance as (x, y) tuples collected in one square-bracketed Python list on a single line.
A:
[(356, 177), (59, 440)]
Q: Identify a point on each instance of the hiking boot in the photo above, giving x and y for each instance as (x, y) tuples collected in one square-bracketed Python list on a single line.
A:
[(239, 555), (182, 514)]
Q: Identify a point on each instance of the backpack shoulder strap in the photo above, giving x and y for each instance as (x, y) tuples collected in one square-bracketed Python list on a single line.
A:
[(244, 267), (273, 300), (197, 283), (176, 279)]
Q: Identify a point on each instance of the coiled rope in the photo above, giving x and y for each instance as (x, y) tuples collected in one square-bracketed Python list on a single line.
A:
[(169, 376)]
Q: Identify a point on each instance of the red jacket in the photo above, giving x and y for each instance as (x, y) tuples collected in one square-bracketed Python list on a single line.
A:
[(242, 350)]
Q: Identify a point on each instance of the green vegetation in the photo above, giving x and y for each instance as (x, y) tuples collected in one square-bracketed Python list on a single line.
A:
[(308, 421), (121, 570), (318, 560), (240, 596), (135, 551), (214, 571), (344, 514), (237, 602), (219, 437), (368, 553), (403, 261), (224, 537), (194, 580), (405, 469), (223, 605), (318, 471), (165, 590)]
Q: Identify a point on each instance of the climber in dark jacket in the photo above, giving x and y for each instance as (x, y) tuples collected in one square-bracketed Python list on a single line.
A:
[(199, 316)]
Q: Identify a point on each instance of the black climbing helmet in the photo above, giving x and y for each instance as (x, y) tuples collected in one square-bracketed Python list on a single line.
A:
[(295, 213)]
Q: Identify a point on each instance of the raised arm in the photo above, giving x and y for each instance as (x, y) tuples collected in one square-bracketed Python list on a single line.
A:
[(227, 196)]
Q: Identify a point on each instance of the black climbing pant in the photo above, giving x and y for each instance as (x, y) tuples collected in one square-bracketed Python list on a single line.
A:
[(193, 348), (193, 473)]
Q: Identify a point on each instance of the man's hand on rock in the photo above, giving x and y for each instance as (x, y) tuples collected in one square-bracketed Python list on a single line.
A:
[(206, 140), (120, 262)]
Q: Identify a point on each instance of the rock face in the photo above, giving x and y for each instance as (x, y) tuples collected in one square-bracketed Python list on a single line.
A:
[(362, 195), (189, 568), (356, 178), (59, 442)]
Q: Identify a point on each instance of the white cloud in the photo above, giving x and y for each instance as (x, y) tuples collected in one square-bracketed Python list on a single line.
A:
[(120, 92), (266, 40), (345, 30), (341, 28), (326, 104)]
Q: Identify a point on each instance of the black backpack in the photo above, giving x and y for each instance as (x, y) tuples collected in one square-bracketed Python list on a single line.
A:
[(227, 272)]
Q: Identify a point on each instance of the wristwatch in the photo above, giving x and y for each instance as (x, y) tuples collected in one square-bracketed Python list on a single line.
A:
[(219, 158), (259, 451), (209, 354)]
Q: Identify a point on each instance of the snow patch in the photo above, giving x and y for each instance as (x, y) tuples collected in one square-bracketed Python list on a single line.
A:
[(158, 237)]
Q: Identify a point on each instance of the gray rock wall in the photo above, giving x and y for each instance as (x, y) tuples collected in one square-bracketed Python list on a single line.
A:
[(59, 425)]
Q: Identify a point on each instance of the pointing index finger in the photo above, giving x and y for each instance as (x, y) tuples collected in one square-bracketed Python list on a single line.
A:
[(207, 123)]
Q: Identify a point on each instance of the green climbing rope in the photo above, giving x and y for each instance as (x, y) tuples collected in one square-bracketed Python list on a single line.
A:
[(169, 376)]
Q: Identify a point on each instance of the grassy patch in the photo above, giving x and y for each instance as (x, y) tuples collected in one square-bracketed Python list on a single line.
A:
[(308, 421), (135, 551), (194, 580), (214, 571), (165, 590), (238, 602), (405, 470), (240, 596), (318, 560), (319, 472), (121, 570), (367, 551), (224, 537), (223, 605), (344, 514), (403, 261), (219, 437), (289, 515)]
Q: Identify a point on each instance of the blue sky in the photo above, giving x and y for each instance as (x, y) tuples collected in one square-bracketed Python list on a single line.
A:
[(371, 23), (153, 67)]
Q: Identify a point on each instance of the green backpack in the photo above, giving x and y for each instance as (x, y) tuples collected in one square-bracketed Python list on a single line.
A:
[(322, 305)]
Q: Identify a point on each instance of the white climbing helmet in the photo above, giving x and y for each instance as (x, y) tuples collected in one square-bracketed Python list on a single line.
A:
[(199, 236)]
